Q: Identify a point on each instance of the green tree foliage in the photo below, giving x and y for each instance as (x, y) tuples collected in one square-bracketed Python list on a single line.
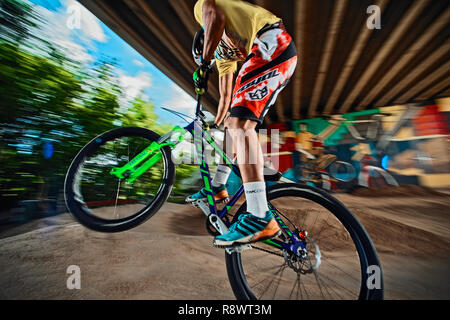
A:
[(50, 107), (16, 20)]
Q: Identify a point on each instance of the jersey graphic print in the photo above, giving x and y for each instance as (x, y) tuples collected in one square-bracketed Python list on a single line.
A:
[(266, 72), (225, 51)]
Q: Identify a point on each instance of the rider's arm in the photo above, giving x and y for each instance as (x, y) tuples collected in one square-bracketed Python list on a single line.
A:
[(214, 22), (226, 91)]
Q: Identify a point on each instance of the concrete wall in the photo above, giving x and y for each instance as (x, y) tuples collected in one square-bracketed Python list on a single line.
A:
[(410, 142)]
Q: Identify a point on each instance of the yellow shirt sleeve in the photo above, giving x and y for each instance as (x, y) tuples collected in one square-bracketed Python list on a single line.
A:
[(198, 8), (243, 20), (226, 66), (223, 66)]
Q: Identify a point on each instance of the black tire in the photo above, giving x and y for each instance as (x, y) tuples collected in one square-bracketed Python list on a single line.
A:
[(366, 253), (76, 204)]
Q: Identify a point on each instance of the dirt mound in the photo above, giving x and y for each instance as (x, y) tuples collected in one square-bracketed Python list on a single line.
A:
[(171, 257), (400, 191)]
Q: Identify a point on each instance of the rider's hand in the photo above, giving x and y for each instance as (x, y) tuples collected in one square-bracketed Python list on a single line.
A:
[(200, 77)]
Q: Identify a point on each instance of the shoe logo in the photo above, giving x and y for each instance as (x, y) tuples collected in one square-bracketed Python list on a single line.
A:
[(259, 94)]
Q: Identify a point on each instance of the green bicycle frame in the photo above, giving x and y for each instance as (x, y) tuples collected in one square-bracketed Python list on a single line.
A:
[(152, 154), (133, 170)]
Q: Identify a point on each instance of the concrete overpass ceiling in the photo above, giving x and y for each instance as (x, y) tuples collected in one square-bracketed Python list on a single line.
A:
[(343, 66)]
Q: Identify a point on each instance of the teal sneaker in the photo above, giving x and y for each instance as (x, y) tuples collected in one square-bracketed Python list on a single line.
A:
[(220, 195), (248, 229)]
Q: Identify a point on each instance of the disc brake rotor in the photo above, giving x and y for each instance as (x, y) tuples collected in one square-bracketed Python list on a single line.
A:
[(302, 262)]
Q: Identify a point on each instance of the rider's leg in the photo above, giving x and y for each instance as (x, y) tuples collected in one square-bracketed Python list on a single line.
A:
[(218, 182), (258, 223), (223, 170), (264, 74), (250, 162)]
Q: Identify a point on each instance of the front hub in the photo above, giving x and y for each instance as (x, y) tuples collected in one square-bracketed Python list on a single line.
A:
[(305, 256)]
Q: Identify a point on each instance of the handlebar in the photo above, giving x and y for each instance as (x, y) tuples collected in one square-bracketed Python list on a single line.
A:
[(198, 111)]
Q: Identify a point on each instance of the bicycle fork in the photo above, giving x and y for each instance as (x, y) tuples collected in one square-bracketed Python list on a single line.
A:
[(138, 166)]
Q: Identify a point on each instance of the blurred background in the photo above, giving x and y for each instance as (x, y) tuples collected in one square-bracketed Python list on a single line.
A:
[(67, 77), (56, 95)]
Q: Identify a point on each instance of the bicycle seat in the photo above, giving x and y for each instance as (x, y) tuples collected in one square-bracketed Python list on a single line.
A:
[(271, 174)]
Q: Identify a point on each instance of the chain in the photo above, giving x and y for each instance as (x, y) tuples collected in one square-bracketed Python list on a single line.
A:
[(267, 251)]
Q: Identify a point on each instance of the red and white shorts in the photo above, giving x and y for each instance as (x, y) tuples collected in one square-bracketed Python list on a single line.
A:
[(266, 71)]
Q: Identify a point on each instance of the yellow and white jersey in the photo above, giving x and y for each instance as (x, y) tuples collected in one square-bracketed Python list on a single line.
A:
[(243, 20)]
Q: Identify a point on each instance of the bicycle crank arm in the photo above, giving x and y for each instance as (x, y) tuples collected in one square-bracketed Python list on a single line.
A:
[(218, 223), (203, 206)]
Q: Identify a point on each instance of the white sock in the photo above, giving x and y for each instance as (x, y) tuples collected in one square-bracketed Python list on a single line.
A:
[(255, 193), (221, 176)]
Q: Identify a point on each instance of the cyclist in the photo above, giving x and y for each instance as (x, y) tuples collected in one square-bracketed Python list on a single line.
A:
[(232, 31)]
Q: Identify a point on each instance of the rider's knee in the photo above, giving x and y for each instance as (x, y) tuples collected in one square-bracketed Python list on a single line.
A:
[(238, 123)]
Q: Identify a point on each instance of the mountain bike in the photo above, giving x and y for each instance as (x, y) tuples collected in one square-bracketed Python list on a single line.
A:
[(328, 173), (121, 178)]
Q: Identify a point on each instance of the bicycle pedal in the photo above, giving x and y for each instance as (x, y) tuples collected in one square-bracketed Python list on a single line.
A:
[(199, 203), (238, 249)]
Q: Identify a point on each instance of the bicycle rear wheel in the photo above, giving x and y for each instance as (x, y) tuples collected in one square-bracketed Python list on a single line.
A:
[(339, 253), (344, 175), (100, 200)]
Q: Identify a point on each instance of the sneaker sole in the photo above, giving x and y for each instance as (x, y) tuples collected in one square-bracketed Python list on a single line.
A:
[(237, 244)]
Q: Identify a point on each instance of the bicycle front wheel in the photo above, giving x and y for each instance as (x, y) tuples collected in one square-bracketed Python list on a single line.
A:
[(340, 255), (103, 202)]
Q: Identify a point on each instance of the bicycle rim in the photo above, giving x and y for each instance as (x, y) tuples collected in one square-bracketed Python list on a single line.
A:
[(335, 268), (103, 202)]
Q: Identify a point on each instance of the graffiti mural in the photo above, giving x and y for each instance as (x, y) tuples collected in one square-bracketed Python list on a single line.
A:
[(383, 146)]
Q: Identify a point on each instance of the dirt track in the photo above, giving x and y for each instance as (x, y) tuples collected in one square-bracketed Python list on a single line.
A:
[(171, 257)]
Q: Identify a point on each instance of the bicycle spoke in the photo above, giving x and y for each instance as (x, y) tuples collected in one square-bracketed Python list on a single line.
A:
[(299, 288), (340, 269), (277, 272), (293, 288), (278, 283), (336, 276), (117, 198), (322, 277)]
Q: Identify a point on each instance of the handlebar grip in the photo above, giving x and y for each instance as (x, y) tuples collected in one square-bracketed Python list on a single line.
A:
[(200, 91)]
